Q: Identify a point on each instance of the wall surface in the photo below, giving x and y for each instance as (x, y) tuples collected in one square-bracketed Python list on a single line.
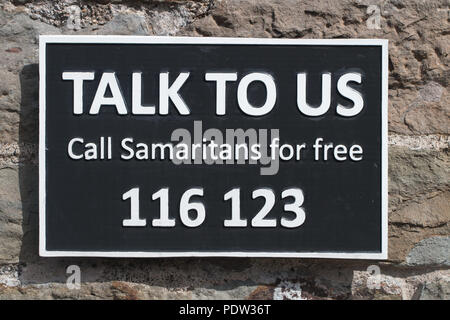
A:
[(419, 178)]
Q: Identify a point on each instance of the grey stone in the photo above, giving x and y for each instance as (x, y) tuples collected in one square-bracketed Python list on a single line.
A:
[(18, 213), (234, 291), (436, 290), (126, 24), (9, 90), (165, 22), (417, 172), (431, 92), (21, 28), (431, 251), (19, 108), (10, 215)]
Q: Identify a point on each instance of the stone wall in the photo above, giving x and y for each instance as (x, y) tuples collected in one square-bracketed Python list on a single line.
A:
[(419, 178)]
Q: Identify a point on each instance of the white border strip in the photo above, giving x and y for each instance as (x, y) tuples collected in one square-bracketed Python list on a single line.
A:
[(42, 147), (43, 40)]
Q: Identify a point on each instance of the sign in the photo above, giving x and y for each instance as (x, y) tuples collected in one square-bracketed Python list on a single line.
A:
[(165, 146)]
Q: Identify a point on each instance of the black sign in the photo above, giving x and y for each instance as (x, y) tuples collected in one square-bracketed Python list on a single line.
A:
[(153, 147)]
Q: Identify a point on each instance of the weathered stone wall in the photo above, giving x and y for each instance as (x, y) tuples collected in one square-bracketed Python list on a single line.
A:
[(419, 179)]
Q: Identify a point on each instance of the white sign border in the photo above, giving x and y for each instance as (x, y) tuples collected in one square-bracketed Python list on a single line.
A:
[(45, 39)]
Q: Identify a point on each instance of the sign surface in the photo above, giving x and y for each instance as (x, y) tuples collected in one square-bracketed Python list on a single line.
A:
[(161, 146)]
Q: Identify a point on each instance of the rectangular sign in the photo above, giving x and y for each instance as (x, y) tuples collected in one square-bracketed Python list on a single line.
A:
[(167, 146)]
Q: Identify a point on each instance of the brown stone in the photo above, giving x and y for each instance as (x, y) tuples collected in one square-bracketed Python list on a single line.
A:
[(14, 50), (262, 293), (431, 213)]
